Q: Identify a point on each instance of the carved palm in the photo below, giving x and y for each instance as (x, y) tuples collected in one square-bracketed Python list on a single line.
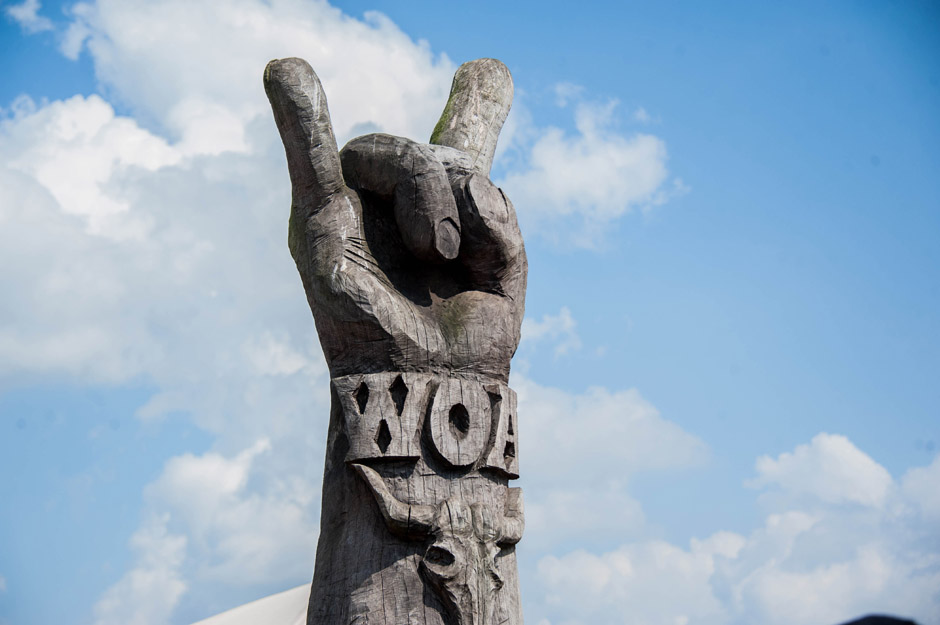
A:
[(411, 258)]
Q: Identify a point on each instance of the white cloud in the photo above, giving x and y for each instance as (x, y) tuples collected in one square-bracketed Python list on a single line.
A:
[(215, 519), (148, 593), (26, 14), (204, 60), (561, 329), (620, 426), (576, 510), (580, 183), (884, 570), (240, 535), (271, 356), (74, 148), (578, 453), (654, 583), (922, 485), (566, 92), (134, 261), (831, 468), (825, 564), (196, 485)]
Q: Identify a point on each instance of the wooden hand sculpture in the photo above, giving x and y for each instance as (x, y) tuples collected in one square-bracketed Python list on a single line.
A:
[(414, 268), (411, 258)]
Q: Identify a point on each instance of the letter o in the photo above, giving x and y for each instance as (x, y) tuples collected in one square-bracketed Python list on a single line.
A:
[(459, 422)]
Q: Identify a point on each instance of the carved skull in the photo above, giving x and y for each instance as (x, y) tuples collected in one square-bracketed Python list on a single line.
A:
[(460, 563)]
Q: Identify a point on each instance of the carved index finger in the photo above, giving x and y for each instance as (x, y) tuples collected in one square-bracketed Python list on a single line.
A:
[(303, 120), (479, 102)]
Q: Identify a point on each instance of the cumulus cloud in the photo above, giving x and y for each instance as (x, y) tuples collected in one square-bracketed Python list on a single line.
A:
[(831, 468), (579, 451), (566, 92), (826, 563), (240, 535), (618, 424), (204, 60), (578, 183), (26, 14), (75, 148), (148, 593), (654, 582), (922, 486), (148, 264), (641, 115), (560, 329), (215, 519)]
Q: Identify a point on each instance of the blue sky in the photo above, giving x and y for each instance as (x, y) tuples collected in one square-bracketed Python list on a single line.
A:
[(727, 376)]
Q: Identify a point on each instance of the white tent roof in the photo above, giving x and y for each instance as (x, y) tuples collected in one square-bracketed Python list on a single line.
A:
[(284, 608)]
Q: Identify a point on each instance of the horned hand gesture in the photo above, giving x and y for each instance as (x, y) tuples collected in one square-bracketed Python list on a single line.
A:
[(411, 259)]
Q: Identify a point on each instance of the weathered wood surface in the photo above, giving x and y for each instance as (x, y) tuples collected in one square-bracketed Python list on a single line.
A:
[(415, 272), (476, 109)]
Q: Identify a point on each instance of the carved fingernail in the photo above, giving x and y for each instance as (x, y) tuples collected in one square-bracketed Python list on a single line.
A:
[(447, 239)]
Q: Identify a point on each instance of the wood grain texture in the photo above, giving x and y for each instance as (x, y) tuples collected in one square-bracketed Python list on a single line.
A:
[(415, 271), (479, 102)]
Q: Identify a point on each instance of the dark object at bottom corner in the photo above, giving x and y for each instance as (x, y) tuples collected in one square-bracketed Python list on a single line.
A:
[(879, 619)]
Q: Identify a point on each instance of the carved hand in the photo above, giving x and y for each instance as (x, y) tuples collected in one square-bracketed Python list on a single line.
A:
[(411, 258)]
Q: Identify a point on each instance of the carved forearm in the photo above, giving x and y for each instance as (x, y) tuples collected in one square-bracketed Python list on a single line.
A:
[(417, 508)]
